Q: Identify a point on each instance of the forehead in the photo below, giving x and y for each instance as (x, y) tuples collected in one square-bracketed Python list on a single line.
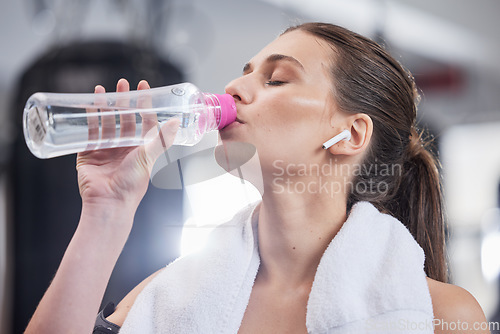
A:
[(313, 53)]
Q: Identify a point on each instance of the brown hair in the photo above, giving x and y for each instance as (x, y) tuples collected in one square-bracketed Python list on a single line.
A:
[(367, 79)]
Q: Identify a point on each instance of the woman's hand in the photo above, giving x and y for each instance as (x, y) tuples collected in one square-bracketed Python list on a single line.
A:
[(121, 175), (112, 183)]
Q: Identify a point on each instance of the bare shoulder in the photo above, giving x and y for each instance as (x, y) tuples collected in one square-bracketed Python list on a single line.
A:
[(455, 309), (122, 309)]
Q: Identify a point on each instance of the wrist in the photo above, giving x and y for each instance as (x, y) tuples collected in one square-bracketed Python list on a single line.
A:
[(108, 216)]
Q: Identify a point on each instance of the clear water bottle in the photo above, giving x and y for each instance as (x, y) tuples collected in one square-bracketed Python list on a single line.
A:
[(57, 124)]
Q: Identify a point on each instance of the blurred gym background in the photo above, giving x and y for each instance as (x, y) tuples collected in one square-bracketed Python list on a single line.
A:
[(451, 46)]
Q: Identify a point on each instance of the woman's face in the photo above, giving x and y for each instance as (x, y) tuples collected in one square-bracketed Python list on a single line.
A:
[(284, 101)]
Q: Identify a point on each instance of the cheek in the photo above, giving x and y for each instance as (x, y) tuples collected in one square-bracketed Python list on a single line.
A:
[(311, 104), (296, 127), (294, 108), (303, 117)]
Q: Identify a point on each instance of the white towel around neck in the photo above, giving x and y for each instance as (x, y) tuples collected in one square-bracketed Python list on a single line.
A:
[(369, 280)]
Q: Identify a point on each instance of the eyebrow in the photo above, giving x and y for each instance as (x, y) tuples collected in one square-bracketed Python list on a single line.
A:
[(275, 57)]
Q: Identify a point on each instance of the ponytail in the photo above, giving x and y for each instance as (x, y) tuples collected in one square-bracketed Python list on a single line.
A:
[(419, 203)]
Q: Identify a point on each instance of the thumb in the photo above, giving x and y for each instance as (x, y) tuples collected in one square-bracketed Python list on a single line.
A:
[(158, 142)]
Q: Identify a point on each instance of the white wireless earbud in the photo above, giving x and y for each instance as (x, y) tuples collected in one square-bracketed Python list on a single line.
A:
[(344, 135)]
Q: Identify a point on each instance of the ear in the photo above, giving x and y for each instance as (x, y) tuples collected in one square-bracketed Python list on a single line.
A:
[(361, 127)]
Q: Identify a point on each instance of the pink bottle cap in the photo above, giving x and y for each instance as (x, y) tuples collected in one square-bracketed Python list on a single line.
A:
[(228, 109)]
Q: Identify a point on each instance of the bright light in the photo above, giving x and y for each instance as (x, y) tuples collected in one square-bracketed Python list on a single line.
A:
[(194, 236), (490, 257), (210, 203), (490, 246)]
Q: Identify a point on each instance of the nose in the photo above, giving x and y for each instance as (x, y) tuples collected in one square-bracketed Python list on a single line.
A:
[(239, 90)]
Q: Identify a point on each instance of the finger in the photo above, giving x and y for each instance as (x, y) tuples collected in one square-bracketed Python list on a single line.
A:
[(99, 89), (108, 121), (143, 84), (93, 118), (161, 141), (149, 118), (127, 119)]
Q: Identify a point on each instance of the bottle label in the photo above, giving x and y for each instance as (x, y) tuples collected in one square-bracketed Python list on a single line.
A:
[(36, 129)]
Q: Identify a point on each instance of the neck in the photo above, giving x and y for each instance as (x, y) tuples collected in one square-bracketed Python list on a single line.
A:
[(294, 231)]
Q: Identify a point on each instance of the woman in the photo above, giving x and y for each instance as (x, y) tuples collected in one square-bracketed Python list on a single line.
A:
[(307, 86)]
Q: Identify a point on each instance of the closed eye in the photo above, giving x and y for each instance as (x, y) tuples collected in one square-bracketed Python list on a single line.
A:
[(275, 83)]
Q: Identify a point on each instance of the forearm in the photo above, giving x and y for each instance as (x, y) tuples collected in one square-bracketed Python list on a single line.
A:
[(71, 302)]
